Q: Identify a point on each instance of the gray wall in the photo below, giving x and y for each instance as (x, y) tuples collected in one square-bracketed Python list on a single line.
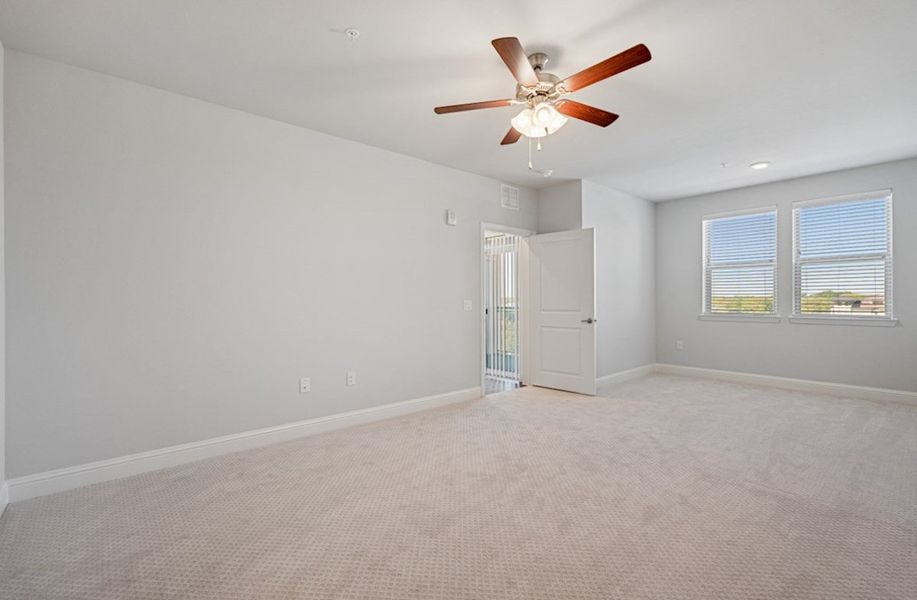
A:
[(176, 266), (858, 355), (624, 255), (560, 207), (625, 286)]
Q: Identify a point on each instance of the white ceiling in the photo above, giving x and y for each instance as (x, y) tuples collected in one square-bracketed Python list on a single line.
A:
[(811, 85)]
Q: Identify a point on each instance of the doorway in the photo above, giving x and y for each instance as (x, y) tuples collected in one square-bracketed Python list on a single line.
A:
[(501, 305), (538, 321)]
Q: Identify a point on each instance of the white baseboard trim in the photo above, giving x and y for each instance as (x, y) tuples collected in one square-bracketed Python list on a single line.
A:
[(803, 385), (4, 496), (625, 375), (59, 480)]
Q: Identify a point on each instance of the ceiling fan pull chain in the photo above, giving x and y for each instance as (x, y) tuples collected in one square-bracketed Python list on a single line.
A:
[(543, 172)]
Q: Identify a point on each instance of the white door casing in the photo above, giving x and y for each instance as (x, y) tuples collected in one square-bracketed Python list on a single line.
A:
[(562, 277)]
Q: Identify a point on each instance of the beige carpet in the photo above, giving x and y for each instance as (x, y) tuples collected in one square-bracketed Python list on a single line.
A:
[(667, 488)]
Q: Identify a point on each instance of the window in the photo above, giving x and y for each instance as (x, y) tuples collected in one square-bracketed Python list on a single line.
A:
[(740, 263), (842, 259)]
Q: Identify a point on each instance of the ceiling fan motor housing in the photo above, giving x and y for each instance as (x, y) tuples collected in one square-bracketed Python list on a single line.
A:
[(546, 81)]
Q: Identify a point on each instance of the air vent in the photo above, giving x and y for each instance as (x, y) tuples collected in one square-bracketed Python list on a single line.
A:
[(509, 197)]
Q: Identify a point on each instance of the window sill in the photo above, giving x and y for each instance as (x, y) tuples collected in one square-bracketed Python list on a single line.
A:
[(837, 320), (741, 318)]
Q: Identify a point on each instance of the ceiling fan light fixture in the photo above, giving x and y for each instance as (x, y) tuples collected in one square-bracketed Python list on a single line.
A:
[(538, 122)]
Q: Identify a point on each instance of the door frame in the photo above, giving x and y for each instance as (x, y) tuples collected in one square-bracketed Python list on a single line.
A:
[(523, 317)]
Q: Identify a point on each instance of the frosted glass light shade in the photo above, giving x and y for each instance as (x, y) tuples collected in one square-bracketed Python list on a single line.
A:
[(538, 122)]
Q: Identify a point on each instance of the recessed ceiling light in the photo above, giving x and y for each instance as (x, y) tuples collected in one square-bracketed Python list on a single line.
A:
[(757, 166)]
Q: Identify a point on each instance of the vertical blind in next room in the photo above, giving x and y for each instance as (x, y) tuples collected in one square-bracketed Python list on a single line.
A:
[(842, 259), (740, 255)]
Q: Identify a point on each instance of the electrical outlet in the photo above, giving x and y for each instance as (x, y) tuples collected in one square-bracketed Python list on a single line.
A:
[(679, 344), (305, 385), (351, 378)]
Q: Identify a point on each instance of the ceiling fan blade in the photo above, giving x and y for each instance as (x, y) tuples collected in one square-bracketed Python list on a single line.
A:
[(441, 110), (510, 50), (512, 136), (584, 112), (618, 63)]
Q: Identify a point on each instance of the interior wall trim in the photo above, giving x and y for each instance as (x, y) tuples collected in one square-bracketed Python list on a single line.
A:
[(59, 480), (803, 385), (621, 376)]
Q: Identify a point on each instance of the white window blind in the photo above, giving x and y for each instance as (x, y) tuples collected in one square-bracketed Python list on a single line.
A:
[(740, 263), (842, 259)]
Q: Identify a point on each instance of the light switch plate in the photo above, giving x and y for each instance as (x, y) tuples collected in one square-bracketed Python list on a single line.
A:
[(305, 385), (451, 219), (468, 305)]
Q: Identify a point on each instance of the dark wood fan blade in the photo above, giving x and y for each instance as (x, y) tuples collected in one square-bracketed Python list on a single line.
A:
[(510, 50), (512, 136), (584, 112), (618, 63), (441, 110)]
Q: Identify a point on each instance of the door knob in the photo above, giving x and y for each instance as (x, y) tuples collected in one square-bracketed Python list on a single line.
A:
[(590, 320)]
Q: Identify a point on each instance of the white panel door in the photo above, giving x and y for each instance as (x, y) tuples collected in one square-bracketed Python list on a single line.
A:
[(563, 310)]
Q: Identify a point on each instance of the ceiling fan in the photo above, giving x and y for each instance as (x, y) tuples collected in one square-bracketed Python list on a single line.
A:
[(545, 95)]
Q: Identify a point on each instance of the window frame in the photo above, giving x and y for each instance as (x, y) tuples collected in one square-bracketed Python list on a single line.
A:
[(765, 317), (888, 319)]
